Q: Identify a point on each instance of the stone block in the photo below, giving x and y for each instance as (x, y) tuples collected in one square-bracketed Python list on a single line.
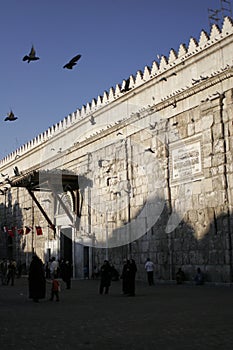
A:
[(207, 122), (207, 185), (191, 129)]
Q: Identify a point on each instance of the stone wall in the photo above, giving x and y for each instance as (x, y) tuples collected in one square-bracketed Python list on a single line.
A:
[(154, 167)]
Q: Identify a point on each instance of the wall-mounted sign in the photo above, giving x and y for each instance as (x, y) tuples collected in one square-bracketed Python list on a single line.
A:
[(186, 161)]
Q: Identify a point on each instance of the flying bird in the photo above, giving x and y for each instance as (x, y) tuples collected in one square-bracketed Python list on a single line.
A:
[(72, 62), (149, 150), (153, 126), (10, 116), (32, 56)]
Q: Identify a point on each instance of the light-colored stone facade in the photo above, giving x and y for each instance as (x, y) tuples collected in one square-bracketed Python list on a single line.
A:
[(154, 171)]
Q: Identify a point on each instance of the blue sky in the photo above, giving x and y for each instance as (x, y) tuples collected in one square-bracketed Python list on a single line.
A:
[(116, 38)]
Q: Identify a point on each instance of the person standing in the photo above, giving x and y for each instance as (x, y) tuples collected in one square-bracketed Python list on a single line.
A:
[(131, 275), (4, 271), (55, 289), (124, 277), (36, 279), (199, 278), (53, 267), (11, 272), (105, 277), (149, 267), (66, 273)]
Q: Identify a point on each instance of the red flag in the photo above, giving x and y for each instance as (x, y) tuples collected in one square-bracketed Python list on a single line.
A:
[(20, 231), (27, 230), (39, 231)]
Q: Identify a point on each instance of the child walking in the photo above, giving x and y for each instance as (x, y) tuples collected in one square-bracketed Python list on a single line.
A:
[(55, 289)]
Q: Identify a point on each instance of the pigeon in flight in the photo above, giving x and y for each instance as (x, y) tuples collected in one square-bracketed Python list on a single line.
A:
[(72, 62), (10, 116), (32, 56)]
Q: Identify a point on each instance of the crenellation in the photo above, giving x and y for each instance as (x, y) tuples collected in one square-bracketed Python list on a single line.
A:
[(154, 68), (146, 73), (172, 56), (204, 38), (117, 92), (139, 78), (227, 25), (99, 101), (83, 111), (215, 31), (193, 44), (111, 94), (163, 64), (93, 104), (88, 108), (105, 99), (182, 51), (73, 117)]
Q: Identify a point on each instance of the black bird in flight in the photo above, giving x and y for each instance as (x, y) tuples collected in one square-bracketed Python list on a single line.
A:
[(10, 116), (72, 62), (32, 56), (149, 150)]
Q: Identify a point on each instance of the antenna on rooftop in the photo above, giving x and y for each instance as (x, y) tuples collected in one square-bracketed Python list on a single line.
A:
[(216, 16)]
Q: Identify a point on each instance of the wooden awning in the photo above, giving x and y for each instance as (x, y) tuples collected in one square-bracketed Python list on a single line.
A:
[(54, 181), (39, 180)]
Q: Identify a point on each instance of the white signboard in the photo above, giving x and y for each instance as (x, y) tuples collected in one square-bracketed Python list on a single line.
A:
[(186, 161)]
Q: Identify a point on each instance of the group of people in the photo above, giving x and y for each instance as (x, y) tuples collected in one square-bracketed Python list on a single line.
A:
[(128, 275), (8, 271), (54, 270), (198, 278), (38, 275)]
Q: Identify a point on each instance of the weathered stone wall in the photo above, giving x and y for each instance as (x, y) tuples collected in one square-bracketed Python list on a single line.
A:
[(154, 168)]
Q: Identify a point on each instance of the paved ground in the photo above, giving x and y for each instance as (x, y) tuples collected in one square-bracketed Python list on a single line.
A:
[(158, 317)]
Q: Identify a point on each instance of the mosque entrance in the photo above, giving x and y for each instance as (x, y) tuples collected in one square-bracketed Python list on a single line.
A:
[(66, 244)]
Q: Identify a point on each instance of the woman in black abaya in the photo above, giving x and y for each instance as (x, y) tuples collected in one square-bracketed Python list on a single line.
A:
[(36, 279)]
